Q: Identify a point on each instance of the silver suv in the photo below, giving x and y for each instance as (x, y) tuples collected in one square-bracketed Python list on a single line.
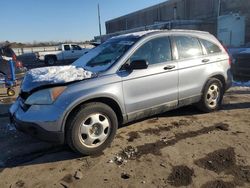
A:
[(133, 76)]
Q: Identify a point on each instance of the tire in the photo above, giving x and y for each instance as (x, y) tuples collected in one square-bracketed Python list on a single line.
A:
[(91, 129), (212, 96), (50, 60)]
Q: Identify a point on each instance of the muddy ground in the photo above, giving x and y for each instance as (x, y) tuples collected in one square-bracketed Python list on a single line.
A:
[(180, 148)]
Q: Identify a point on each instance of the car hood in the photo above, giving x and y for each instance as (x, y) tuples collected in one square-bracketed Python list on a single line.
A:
[(45, 77)]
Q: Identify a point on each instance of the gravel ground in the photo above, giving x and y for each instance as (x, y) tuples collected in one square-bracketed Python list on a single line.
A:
[(180, 148)]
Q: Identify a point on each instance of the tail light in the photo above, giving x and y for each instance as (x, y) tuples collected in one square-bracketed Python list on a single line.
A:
[(230, 60), (229, 56)]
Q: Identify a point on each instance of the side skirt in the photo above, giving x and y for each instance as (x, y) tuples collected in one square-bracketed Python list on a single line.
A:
[(161, 109)]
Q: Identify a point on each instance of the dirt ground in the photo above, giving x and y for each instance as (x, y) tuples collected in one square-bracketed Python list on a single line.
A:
[(180, 148)]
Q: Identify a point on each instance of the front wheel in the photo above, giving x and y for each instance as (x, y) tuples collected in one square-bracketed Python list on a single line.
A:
[(212, 96), (91, 129)]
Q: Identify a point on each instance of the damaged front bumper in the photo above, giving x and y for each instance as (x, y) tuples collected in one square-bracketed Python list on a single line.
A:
[(41, 121)]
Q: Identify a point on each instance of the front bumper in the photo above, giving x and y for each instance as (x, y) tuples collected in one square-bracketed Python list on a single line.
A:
[(38, 121)]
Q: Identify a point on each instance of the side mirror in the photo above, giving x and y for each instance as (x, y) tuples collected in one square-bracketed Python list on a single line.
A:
[(138, 64)]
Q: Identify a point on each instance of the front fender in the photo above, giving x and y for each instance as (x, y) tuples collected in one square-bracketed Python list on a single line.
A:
[(92, 89)]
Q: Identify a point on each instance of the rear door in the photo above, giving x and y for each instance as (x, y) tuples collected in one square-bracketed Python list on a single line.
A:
[(192, 68), (152, 90)]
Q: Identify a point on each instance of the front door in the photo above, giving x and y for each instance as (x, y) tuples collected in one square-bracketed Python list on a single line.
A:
[(68, 52), (155, 89), (77, 51)]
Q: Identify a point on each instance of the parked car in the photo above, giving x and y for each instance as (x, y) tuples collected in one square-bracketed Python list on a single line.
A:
[(65, 52), (241, 65), (5, 53), (132, 76)]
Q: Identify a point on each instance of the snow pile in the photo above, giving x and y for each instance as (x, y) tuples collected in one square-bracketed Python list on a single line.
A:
[(247, 51), (59, 74), (241, 84)]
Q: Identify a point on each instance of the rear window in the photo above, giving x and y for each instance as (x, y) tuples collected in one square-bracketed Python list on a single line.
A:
[(188, 47), (210, 47)]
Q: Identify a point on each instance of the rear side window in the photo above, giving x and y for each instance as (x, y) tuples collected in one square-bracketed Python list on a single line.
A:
[(188, 47), (76, 47), (210, 47)]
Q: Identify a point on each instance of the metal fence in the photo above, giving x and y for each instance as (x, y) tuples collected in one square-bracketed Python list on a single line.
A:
[(20, 51)]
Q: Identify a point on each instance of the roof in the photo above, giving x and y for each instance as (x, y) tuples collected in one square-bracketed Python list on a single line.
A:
[(143, 33)]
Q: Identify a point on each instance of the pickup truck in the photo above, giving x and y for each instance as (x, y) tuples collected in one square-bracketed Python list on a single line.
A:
[(65, 52)]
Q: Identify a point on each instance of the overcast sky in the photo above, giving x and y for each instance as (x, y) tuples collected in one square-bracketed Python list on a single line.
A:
[(60, 20)]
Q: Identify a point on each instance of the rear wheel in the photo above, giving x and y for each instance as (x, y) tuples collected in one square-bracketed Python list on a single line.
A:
[(212, 96), (50, 60), (92, 128)]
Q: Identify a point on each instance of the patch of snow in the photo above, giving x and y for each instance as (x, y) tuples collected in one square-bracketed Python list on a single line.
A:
[(59, 74), (241, 84), (247, 51), (10, 128)]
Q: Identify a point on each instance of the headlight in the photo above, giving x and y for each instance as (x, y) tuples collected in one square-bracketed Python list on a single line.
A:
[(46, 96)]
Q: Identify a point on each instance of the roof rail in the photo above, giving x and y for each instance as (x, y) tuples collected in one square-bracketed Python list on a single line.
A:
[(189, 30)]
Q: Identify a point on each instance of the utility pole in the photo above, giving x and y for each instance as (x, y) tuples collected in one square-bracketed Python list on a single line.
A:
[(218, 15), (99, 19)]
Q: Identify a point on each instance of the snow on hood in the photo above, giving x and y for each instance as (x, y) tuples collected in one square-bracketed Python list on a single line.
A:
[(59, 74), (246, 51)]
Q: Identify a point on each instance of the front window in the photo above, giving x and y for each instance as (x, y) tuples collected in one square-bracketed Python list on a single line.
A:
[(155, 51), (66, 47), (104, 56)]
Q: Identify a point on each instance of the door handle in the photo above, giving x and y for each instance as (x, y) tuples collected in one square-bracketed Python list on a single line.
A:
[(169, 67), (205, 60)]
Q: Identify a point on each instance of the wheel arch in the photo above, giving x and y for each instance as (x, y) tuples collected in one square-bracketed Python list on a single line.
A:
[(50, 56), (217, 76), (105, 100)]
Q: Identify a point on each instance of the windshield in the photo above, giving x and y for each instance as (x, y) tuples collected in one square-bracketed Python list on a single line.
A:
[(104, 56)]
